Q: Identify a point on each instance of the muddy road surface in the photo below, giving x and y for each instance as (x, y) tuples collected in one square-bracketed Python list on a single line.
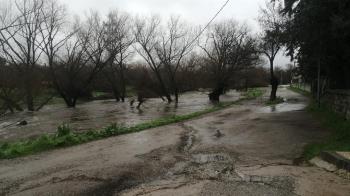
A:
[(248, 149)]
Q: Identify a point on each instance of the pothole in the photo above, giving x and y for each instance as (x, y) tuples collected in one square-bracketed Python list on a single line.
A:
[(187, 139), (208, 158)]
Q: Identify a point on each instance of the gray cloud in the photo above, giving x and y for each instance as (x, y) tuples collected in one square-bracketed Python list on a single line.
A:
[(197, 12)]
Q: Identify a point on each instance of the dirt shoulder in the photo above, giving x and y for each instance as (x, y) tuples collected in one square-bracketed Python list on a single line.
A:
[(248, 149)]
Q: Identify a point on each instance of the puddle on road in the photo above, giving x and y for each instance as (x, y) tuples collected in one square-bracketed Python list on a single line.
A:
[(283, 107)]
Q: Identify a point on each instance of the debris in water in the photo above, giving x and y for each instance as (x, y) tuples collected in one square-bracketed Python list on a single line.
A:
[(22, 123)]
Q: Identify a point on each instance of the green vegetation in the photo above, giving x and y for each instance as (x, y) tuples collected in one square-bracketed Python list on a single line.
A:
[(66, 137), (130, 91), (253, 93), (56, 100), (300, 91), (339, 140), (97, 94)]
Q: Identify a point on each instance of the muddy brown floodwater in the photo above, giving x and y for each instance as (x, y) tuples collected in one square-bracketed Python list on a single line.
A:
[(97, 114), (243, 150)]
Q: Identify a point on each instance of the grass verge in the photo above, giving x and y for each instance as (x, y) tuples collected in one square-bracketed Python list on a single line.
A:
[(65, 136), (339, 140), (300, 91)]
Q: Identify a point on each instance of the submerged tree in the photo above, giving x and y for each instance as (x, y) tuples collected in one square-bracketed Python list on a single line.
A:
[(119, 37), (147, 33), (174, 44), (271, 22), (84, 55), (71, 69), (229, 48), (53, 37)]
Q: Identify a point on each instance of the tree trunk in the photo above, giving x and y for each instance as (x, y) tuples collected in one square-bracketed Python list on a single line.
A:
[(9, 107), (75, 99), (215, 94), (140, 99), (176, 95), (69, 103), (123, 85), (163, 88), (175, 89), (116, 94), (29, 98), (274, 87), (273, 82)]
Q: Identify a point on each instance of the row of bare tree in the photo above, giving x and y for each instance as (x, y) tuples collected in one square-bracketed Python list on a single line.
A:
[(37, 34)]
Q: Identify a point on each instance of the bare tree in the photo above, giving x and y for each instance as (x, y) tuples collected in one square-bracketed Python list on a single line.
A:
[(229, 48), (8, 18), (271, 21), (8, 86), (21, 43), (147, 35), (71, 70), (53, 37), (85, 55), (119, 38), (172, 46), (52, 34)]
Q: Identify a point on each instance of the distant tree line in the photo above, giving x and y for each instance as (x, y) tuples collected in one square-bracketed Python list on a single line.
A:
[(44, 54)]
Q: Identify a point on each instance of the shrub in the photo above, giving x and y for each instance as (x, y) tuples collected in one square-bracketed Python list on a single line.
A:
[(63, 130)]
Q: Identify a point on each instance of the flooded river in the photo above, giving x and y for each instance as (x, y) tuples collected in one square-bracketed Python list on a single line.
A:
[(98, 114)]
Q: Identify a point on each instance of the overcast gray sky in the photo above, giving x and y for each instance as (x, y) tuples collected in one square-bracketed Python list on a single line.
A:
[(195, 11), (198, 12)]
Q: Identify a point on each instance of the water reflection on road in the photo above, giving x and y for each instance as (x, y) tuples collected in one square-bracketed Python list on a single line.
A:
[(292, 102), (283, 107)]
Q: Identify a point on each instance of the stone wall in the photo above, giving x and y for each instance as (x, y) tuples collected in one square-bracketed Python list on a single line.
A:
[(338, 101)]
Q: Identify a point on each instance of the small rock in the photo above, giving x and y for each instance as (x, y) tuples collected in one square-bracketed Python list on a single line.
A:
[(22, 123), (218, 134)]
